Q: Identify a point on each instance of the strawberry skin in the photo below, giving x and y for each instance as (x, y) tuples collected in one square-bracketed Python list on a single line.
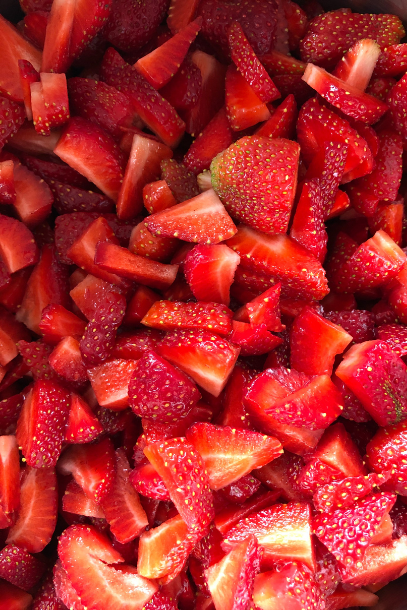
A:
[(19, 567), (254, 189), (342, 494), (169, 315), (132, 24), (386, 453)]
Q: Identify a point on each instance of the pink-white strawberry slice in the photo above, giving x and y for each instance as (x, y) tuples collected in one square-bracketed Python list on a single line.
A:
[(357, 65), (37, 516), (90, 560), (77, 502), (230, 454)]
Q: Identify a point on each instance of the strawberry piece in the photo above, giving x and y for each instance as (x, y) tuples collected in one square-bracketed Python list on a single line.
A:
[(40, 427), (75, 501), (52, 171), (392, 61), (209, 270), (110, 382), (358, 323), (181, 181), (133, 344), (383, 183), (11, 333), (183, 472), (253, 340), (257, 19), (308, 228), (34, 27), (317, 124), (159, 66), (7, 186), (343, 493), (215, 138), (230, 581), (28, 75), (37, 516), (147, 482), (230, 516), (206, 357), (142, 167), (66, 361), (13, 232), (117, 260), (185, 88), (180, 13), (33, 196), (89, 560), (101, 104), (15, 598), (57, 323), (68, 199), (157, 196), (376, 375), (9, 477), (338, 450), (352, 407), (291, 585), (357, 65), (131, 25), (154, 247), (281, 258), (328, 341), (297, 23), (19, 567), (64, 589), (277, 63), (92, 467), (98, 340), (14, 47), (346, 532), (282, 122), (283, 532), (249, 65), (167, 315), (168, 395), (241, 490), (230, 454), (202, 219), (316, 474), (343, 599), (321, 43), (380, 87), (163, 550), (83, 426), (386, 453), (389, 218), (54, 94), (35, 356), (10, 407), (395, 335), (121, 505), (243, 107), (264, 309), (93, 153), (45, 597)]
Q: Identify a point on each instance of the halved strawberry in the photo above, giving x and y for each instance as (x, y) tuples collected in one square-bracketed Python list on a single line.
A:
[(13, 232), (167, 315), (291, 585), (283, 531), (66, 361), (92, 467), (90, 560), (37, 516), (75, 501), (58, 322), (206, 357), (83, 426), (110, 382), (93, 153), (230, 454), (19, 567), (357, 65), (121, 505), (243, 107)]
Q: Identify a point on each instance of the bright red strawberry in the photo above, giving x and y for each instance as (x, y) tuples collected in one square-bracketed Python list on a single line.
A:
[(389, 218), (264, 309), (159, 390), (174, 460), (28, 75), (332, 34), (282, 122), (184, 90), (283, 531), (133, 344), (243, 107), (66, 361), (87, 556), (253, 340), (386, 453), (167, 315), (33, 196), (376, 375), (35, 26), (57, 323), (9, 478), (147, 482), (92, 467), (7, 186), (41, 427), (181, 181), (19, 567), (37, 516), (155, 247), (308, 228), (11, 334), (230, 454), (132, 24), (343, 493), (241, 490), (395, 335), (346, 532), (357, 65), (13, 232), (157, 196), (215, 138), (121, 505), (64, 589), (93, 153), (316, 474), (110, 382), (15, 598), (83, 426), (352, 407), (380, 87), (180, 13), (338, 450), (230, 581), (49, 102), (45, 597), (206, 357)]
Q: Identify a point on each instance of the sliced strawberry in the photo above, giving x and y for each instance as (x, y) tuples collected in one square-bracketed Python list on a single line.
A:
[(253, 340), (389, 218), (357, 65), (333, 33), (35, 27), (147, 482), (283, 259), (230, 454), (13, 232), (33, 196), (352, 407), (198, 352), (281, 475), (282, 122), (19, 567), (83, 426), (277, 63), (54, 171), (46, 595), (57, 323), (157, 196), (215, 138), (35, 355), (68, 199), (66, 361), (342, 494), (121, 505), (7, 187), (37, 516), (11, 333), (9, 477), (241, 490), (243, 107), (167, 315), (93, 153), (174, 460), (89, 560), (133, 344), (110, 382), (181, 181), (15, 598), (316, 474), (14, 47), (185, 88), (308, 228), (180, 13), (230, 516), (63, 588), (283, 531), (292, 585), (155, 247), (28, 75), (264, 309), (75, 501), (358, 523), (92, 467), (386, 453)]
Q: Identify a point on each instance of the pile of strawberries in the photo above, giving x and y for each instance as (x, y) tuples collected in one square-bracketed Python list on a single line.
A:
[(203, 306)]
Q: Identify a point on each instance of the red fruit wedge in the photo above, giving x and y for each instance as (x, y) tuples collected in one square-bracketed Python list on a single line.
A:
[(83, 425), (357, 65), (75, 501), (168, 315), (291, 586), (110, 383), (58, 322), (66, 361), (13, 232), (15, 598), (9, 477)]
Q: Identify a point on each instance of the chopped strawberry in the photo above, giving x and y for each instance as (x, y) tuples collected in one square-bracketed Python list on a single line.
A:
[(181, 181), (283, 531), (35, 26), (230, 454), (49, 102), (389, 218), (110, 381), (7, 186), (93, 153), (92, 467), (338, 450), (90, 560), (215, 138), (174, 460), (157, 196), (13, 232), (57, 323), (36, 357), (66, 361), (68, 199), (358, 524), (279, 64), (264, 309), (83, 426), (77, 502), (386, 453), (15, 598), (147, 482), (241, 490), (308, 228), (155, 247), (167, 315), (282, 122), (33, 196), (133, 344), (392, 61), (184, 90), (63, 588), (9, 477), (37, 516), (332, 34), (316, 474), (357, 65), (132, 24), (281, 475), (395, 335), (45, 596), (291, 585), (243, 107), (28, 75), (19, 567), (253, 340), (14, 47), (343, 493), (352, 407), (380, 87), (180, 13), (121, 505), (54, 171)]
